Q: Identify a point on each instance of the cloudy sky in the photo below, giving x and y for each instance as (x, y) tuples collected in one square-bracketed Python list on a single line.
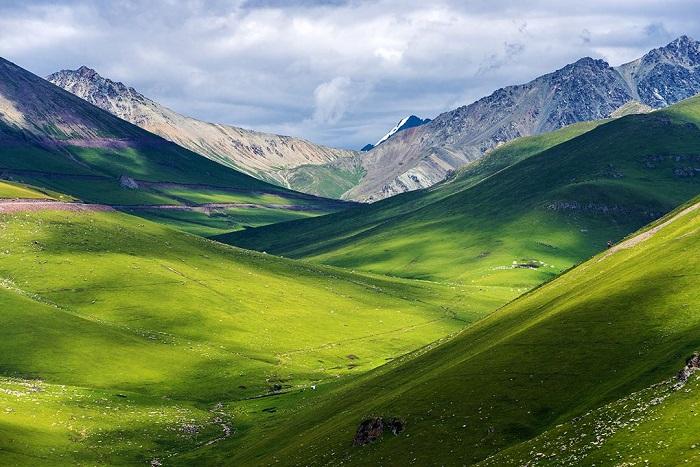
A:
[(338, 72)]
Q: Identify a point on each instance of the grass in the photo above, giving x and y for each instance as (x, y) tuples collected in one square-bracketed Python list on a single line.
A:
[(18, 190), (212, 222), (329, 180), (556, 207), (654, 426), (179, 324), (598, 334)]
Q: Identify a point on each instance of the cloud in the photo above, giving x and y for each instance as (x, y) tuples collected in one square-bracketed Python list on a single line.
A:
[(337, 72), (331, 99)]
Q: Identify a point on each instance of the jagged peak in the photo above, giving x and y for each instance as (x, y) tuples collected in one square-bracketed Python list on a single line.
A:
[(82, 72), (681, 40), (682, 46), (588, 62), (85, 73)]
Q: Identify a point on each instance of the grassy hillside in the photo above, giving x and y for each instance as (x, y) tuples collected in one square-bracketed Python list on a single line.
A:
[(524, 223), (585, 343), (330, 180), (365, 217), (124, 340), (20, 191), (53, 139)]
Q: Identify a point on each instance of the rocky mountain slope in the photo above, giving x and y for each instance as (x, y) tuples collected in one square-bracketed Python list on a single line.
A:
[(263, 155), (588, 89)]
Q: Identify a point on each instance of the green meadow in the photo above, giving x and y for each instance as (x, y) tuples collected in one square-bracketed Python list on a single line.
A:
[(116, 329), (576, 372)]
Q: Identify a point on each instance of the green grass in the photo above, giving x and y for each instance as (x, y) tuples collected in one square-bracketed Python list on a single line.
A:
[(557, 207), (99, 304), (18, 190), (218, 220), (655, 426), (329, 180), (610, 327)]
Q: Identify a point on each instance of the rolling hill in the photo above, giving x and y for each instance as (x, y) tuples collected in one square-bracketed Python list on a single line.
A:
[(583, 370), (512, 221), (125, 341), (53, 139), (282, 160)]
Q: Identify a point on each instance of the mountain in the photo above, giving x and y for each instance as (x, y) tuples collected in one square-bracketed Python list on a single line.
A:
[(593, 368), (404, 124), (524, 213), (53, 139), (586, 90), (265, 156)]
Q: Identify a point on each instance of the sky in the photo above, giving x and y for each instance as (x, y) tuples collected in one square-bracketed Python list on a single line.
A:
[(336, 72)]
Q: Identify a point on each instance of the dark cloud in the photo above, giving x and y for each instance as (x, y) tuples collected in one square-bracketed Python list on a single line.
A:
[(337, 72)]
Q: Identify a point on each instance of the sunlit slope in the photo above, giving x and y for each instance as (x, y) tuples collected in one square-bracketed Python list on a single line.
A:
[(52, 139), (10, 190), (655, 426), (545, 212), (117, 331), (621, 322)]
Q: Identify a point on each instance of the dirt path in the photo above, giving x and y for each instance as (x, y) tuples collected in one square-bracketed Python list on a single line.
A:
[(210, 206), (25, 205), (631, 242)]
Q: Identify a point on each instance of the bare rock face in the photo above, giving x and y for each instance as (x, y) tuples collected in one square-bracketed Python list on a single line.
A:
[(692, 364), (262, 155), (588, 89), (128, 182), (372, 429)]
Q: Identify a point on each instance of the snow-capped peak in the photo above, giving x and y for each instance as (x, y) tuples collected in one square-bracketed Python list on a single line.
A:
[(405, 123)]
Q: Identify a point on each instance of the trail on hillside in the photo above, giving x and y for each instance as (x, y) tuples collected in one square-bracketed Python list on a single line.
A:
[(637, 239), (28, 204)]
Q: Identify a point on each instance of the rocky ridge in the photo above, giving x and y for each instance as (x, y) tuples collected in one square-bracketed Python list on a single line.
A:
[(588, 89), (262, 155)]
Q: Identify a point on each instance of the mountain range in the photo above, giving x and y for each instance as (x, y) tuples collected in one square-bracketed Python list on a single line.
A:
[(416, 153), (588, 89), (266, 156)]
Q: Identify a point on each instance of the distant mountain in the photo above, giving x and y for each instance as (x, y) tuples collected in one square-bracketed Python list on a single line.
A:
[(263, 155), (51, 138), (588, 89), (408, 122), (404, 124)]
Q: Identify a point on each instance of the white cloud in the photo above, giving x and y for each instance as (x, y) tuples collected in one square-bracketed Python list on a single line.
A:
[(334, 98), (340, 72)]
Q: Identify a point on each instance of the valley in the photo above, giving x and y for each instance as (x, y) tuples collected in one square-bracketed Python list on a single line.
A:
[(511, 283)]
